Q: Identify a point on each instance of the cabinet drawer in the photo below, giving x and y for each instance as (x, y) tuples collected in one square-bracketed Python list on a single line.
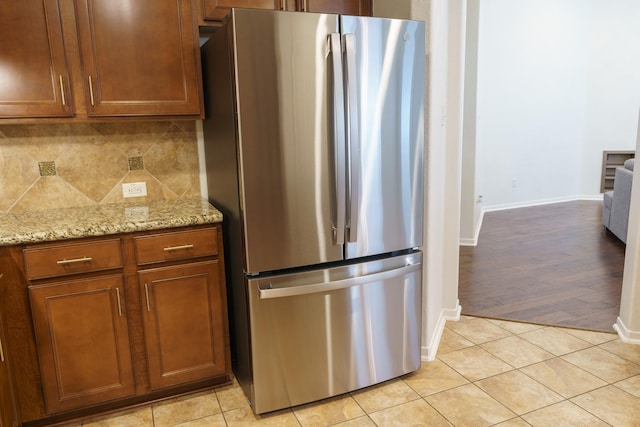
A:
[(72, 258), (176, 245)]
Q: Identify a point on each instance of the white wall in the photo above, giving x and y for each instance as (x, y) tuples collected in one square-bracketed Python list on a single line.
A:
[(613, 85), (557, 84)]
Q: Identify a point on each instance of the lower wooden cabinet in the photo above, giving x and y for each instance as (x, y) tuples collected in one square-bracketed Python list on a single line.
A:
[(83, 342), (7, 406), (104, 323), (183, 323)]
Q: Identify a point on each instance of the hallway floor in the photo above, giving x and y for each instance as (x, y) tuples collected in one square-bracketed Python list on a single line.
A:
[(487, 372), (553, 264)]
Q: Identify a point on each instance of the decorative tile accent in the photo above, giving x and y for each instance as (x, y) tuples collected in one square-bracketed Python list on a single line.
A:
[(136, 163), (47, 168)]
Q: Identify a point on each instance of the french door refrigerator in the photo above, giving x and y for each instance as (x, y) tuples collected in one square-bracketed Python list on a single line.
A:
[(314, 142)]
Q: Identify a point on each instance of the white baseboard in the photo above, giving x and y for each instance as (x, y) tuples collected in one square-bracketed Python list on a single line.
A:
[(474, 241), (430, 352), (540, 202), (476, 233), (626, 335)]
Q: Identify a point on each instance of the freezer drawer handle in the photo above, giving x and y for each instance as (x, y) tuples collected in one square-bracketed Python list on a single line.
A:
[(291, 291)]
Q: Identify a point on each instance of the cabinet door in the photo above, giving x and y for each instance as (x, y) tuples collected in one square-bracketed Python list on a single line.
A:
[(345, 7), (7, 407), (216, 10), (34, 81), (139, 57), (82, 340), (183, 322)]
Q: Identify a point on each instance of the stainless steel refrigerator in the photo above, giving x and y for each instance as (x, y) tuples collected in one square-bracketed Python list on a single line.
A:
[(314, 139)]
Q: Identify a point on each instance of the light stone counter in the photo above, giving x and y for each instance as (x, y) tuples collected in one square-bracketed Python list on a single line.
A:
[(69, 223)]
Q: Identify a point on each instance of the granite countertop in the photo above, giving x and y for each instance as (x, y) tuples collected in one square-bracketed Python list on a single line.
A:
[(69, 223)]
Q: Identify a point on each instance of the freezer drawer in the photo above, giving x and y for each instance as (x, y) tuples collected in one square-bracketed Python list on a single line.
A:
[(326, 332)]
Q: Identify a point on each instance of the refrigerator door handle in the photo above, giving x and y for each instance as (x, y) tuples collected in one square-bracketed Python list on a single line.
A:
[(353, 135), (335, 47), (292, 291)]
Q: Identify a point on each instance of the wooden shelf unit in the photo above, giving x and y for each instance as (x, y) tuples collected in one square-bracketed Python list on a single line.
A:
[(610, 161)]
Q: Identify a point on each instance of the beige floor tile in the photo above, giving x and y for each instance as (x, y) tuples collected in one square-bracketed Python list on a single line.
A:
[(434, 377), (212, 421), (631, 352), (231, 397), (416, 413), (612, 405), (514, 422), (478, 330), (515, 327), (475, 363), (518, 392), (187, 408), (364, 421), (555, 340), (516, 351), (244, 417), (563, 414), (630, 385), (603, 364), (141, 417), (328, 411), (468, 405), (451, 341), (591, 336), (563, 377), (384, 396)]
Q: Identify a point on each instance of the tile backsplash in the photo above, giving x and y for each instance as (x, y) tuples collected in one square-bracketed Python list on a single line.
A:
[(84, 164)]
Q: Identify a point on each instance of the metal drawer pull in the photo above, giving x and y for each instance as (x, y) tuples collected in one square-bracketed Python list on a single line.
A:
[(146, 292), (119, 305), (177, 248), (75, 261), (1, 352)]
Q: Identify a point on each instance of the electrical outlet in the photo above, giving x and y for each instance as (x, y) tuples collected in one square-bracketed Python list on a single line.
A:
[(134, 189)]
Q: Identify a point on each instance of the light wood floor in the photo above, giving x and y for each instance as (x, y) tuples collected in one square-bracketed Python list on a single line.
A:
[(552, 264)]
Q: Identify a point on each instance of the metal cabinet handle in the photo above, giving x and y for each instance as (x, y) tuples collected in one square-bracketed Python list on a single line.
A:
[(1, 352), (283, 4), (91, 91), (75, 261), (64, 100), (146, 292), (119, 304), (305, 6), (177, 248)]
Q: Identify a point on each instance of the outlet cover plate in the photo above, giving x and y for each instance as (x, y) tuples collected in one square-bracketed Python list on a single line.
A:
[(134, 189)]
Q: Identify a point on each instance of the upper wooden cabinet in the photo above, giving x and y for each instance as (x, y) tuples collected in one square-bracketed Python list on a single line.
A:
[(216, 10), (99, 58), (139, 57), (34, 79)]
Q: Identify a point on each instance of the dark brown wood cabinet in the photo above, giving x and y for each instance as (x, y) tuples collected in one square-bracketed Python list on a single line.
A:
[(183, 323), (216, 10), (83, 342), (92, 59), (34, 79), (108, 322), (7, 405), (139, 57)]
